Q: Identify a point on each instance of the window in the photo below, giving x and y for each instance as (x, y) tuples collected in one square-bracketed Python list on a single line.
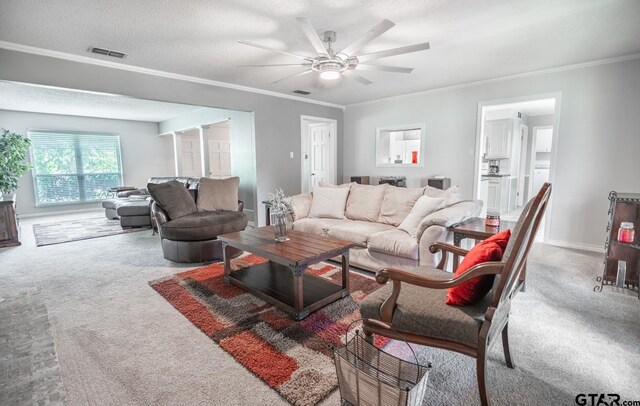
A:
[(73, 167)]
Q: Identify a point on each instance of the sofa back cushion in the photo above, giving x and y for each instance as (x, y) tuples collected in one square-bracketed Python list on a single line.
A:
[(451, 196), (328, 202), (424, 206), (173, 197), (397, 204), (364, 202), (218, 194)]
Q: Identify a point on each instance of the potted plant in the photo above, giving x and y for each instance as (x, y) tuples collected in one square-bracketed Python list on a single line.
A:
[(13, 152)]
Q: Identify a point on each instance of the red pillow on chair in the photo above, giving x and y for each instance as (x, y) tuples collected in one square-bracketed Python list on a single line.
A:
[(475, 289)]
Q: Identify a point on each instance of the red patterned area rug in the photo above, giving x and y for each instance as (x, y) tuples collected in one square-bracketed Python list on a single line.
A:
[(294, 358)]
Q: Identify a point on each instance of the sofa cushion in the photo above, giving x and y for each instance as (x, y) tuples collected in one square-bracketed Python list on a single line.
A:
[(364, 202), (424, 206), (397, 204), (423, 311), (203, 225), (218, 194), (301, 205), (173, 197), (357, 232), (316, 226), (451, 196), (394, 242), (133, 208), (328, 202)]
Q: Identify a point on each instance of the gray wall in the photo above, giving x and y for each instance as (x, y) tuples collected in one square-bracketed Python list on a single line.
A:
[(144, 154), (277, 120), (598, 139), (243, 157)]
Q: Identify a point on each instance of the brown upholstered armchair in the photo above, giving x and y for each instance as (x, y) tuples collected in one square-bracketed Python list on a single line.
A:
[(414, 304)]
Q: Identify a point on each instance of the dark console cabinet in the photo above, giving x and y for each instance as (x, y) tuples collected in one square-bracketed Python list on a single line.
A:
[(8, 224)]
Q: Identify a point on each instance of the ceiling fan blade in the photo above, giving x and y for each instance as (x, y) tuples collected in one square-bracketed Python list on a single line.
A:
[(312, 35), (292, 76), (275, 64), (395, 51), (357, 78), (372, 34), (251, 44), (383, 68)]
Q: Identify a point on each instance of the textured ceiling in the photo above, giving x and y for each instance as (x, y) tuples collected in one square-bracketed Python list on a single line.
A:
[(470, 40), (41, 99)]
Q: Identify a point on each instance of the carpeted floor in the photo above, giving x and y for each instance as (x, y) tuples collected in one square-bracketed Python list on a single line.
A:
[(30, 374), (78, 229), (120, 343)]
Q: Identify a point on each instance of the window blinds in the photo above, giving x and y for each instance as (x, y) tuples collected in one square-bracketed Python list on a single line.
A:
[(72, 167)]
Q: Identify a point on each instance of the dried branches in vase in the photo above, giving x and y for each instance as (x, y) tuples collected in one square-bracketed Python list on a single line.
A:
[(280, 206)]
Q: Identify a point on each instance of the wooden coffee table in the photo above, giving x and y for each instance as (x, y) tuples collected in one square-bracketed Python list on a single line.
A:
[(282, 280)]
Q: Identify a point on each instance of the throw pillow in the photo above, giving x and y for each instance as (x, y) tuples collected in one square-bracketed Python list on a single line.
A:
[(397, 204), (364, 202), (329, 202), (173, 198), (424, 206), (475, 289), (218, 194), (451, 196)]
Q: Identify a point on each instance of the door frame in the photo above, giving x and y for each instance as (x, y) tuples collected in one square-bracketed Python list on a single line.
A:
[(305, 121), (554, 146), (522, 174)]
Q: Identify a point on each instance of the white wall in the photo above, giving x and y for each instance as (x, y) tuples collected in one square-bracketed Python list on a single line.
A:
[(144, 154), (598, 139), (243, 155)]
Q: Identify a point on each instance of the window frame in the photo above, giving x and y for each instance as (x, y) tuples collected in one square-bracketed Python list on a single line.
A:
[(80, 176)]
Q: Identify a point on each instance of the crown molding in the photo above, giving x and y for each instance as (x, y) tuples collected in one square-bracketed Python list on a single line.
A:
[(583, 65), (147, 71)]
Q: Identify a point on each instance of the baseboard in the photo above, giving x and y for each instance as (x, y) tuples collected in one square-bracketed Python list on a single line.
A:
[(59, 213), (576, 246)]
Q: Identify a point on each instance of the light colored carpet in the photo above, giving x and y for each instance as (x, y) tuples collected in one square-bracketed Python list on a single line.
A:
[(29, 372), (120, 343)]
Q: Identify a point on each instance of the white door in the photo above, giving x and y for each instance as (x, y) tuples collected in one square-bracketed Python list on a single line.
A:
[(190, 156), (320, 165), (219, 159), (544, 139)]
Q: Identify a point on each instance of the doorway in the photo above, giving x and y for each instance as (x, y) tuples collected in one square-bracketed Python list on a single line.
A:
[(510, 154), (203, 151), (318, 153)]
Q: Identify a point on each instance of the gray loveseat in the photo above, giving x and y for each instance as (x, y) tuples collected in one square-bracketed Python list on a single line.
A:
[(193, 237)]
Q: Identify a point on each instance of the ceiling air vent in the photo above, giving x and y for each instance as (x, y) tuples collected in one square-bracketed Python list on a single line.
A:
[(102, 51), (302, 92)]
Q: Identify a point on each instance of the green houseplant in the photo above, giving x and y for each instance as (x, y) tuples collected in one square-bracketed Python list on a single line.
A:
[(13, 152)]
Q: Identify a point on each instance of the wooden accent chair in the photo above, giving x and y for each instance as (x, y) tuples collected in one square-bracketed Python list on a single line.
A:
[(421, 315)]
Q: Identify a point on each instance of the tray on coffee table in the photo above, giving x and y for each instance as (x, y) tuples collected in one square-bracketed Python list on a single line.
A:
[(282, 280)]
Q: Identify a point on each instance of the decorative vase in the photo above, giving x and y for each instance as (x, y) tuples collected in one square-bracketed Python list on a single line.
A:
[(281, 227)]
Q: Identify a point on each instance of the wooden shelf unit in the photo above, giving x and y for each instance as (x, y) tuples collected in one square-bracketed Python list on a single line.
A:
[(623, 207)]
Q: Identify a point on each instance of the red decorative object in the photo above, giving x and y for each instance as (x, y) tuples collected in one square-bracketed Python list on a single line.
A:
[(475, 289), (285, 354), (493, 219), (626, 232), (414, 157)]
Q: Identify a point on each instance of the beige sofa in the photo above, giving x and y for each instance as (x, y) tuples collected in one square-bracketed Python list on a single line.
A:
[(371, 220)]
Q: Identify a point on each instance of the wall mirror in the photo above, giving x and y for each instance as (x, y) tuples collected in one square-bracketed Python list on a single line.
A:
[(400, 145)]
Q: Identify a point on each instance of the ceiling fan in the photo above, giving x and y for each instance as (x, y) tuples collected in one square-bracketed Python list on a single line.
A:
[(331, 64)]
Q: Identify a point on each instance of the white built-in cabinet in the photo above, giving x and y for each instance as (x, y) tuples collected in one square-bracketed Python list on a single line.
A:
[(544, 138), (498, 134), (498, 194)]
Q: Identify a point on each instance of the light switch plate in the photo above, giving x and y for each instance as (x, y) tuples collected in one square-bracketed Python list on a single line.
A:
[(291, 154)]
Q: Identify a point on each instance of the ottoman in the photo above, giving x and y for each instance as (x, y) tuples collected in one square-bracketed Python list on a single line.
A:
[(134, 213)]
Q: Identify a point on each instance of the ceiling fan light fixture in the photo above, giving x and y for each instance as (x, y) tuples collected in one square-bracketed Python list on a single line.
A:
[(330, 74)]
